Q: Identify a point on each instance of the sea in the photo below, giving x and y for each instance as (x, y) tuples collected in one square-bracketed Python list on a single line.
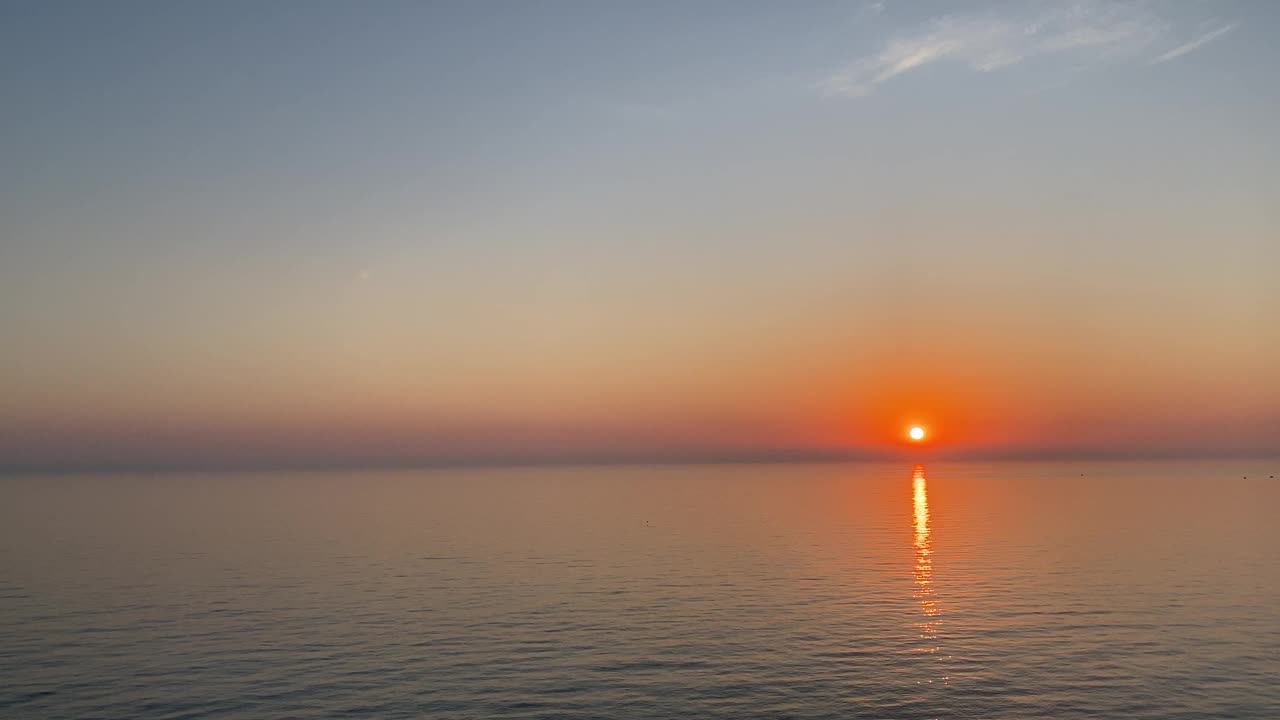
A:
[(1071, 589)]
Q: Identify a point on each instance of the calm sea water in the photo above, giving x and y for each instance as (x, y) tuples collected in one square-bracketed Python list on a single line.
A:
[(1135, 590)]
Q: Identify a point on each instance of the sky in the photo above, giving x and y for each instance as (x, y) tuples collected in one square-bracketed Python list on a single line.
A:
[(244, 233)]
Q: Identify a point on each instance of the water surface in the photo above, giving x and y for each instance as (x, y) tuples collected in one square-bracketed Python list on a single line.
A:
[(1135, 590)]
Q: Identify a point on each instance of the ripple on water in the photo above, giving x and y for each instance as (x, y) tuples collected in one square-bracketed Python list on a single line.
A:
[(805, 591)]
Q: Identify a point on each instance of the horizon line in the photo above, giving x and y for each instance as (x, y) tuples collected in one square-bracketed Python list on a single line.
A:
[(774, 456)]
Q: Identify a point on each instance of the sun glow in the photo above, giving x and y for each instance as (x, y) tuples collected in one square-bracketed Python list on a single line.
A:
[(916, 433)]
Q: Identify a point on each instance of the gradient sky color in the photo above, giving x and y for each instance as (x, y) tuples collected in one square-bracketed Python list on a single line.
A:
[(256, 233)]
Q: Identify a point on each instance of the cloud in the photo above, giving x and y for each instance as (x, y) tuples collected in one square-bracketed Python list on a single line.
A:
[(1192, 46), (1093, 30)]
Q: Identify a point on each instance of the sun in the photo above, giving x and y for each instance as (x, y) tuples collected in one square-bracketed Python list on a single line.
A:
[(916, 433)]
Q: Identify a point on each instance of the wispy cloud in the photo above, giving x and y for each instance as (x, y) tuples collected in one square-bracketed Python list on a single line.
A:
[(1194, 45), (1093, 30)]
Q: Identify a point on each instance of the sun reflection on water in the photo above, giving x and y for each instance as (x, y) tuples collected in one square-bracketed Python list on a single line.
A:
[(924, 591)]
